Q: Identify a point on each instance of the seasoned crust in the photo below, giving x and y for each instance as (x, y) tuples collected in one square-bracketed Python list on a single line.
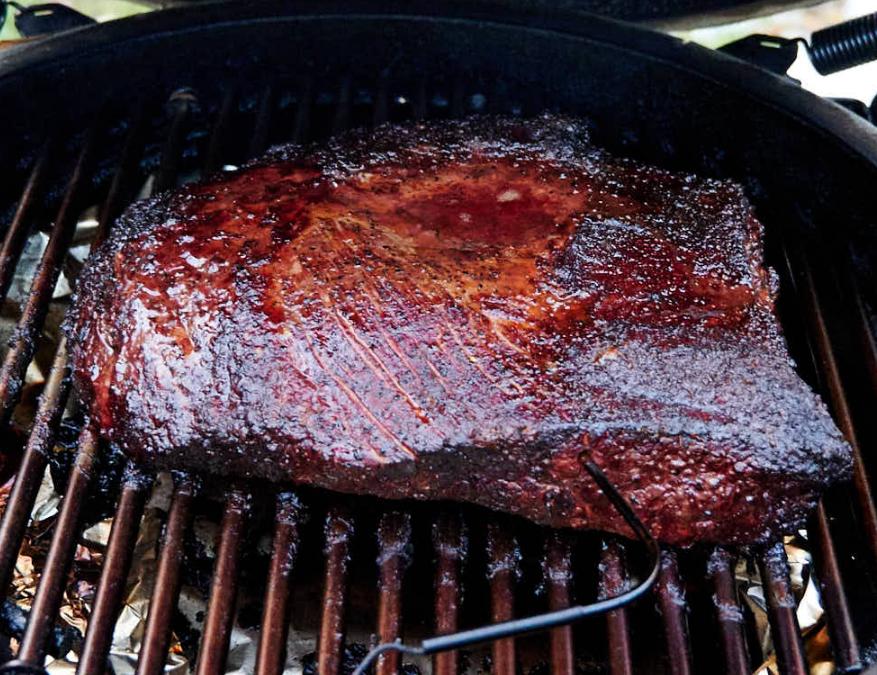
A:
[(458, 310)]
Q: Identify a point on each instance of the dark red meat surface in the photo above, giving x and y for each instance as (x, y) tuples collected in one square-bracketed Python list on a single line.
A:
[(461, 310)]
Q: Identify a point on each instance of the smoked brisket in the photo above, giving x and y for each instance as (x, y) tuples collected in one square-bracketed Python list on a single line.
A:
[(461, 311)]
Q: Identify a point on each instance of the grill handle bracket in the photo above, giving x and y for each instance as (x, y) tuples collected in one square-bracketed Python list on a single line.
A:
[(773, 53), (541, 622), (830, 50)]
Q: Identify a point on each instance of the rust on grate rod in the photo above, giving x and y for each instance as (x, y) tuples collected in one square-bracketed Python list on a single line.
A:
[(613, 579), (557, 570), (781, 606), (502, 569), (213, 651), (449, 542), (720, 569), (338, 534), (674, 612), (275, 612)]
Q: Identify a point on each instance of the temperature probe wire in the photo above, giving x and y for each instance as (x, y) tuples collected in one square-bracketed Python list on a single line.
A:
[(540, 622)]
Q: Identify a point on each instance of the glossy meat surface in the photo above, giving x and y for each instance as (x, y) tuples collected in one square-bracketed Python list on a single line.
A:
[(461, 310)]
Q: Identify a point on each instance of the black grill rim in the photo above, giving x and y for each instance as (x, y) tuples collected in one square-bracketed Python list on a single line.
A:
[(64, 51)]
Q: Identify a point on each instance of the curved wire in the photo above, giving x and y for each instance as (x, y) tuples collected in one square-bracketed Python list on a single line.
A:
[(382, 648), (541, 622)]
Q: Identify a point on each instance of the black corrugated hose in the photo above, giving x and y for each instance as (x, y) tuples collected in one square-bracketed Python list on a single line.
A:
[(845, 45)]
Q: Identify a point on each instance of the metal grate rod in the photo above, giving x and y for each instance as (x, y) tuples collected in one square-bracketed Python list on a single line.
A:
[(840, 405), (129, 511), (449, 547), (338, 536), (275, 615), (394, 538), (613, 581), (781, 607), (213, 652), (868, 338), (114, 574), (843, 638), (502, 570), (24, 341), (302, 122), (674, 610), (262, 127), (51, 407), (548, 620), (844, 643), (341, 122), (157, 635), (218, 137), (728, 612), (66, 534), (16, 235), (558, 575), (33, 465), (171, 154), (124, 185)]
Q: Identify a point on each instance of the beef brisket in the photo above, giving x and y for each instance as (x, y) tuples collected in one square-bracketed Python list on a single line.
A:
[(461, 310)]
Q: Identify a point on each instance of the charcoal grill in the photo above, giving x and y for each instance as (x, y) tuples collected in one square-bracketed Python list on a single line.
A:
[(173, 95)]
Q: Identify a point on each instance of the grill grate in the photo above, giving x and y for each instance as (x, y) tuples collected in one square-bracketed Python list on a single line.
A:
[(275, 114)]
